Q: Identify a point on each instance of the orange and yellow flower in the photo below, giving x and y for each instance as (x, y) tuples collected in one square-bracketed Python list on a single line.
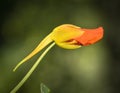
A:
[(69, 37)]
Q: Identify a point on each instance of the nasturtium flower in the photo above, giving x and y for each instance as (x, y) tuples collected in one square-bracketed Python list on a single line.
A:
[(68, 36), (71, 37)]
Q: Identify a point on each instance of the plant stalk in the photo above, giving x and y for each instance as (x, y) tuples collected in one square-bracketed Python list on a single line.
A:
[(32, 69)]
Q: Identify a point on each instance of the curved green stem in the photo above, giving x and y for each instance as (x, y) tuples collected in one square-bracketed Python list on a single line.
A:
[(32, 69)]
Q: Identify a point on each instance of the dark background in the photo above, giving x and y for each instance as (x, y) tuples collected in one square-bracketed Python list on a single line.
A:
[(91, 69)]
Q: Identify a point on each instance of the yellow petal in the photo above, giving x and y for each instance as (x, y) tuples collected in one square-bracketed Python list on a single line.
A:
[(41, 45), (69, 45), (64, 33)]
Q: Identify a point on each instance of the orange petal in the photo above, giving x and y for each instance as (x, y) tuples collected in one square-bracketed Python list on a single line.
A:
[(90, 36)]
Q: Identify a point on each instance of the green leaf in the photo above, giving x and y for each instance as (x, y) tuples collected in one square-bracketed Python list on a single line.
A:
[(44, 89)]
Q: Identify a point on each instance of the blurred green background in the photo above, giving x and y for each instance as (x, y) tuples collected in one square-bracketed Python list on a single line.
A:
[(90, 69)]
